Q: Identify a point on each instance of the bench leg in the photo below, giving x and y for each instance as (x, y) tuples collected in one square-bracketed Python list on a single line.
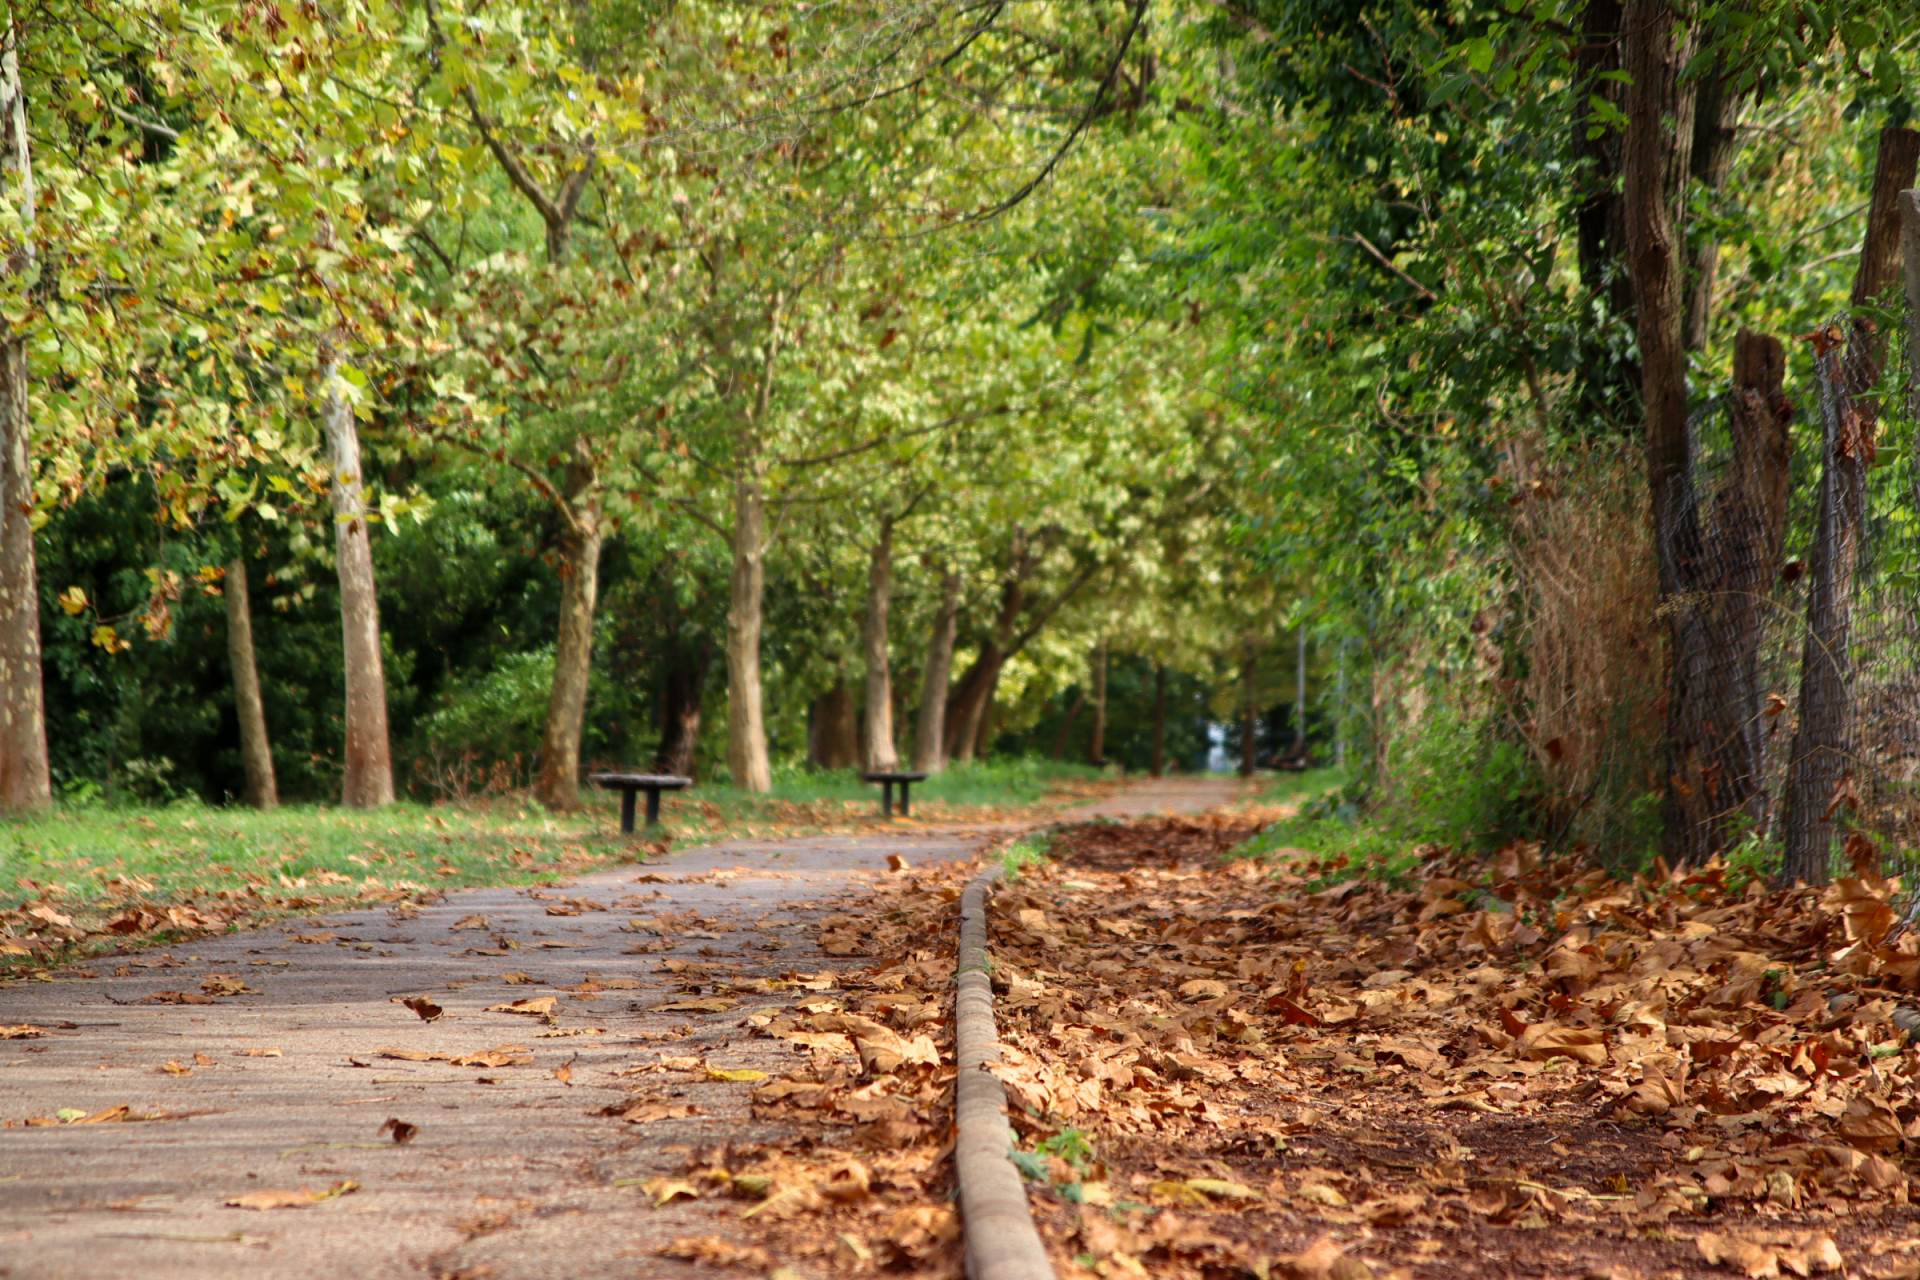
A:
[(886, 799), (653, 808), (626, 812), (905, 812)]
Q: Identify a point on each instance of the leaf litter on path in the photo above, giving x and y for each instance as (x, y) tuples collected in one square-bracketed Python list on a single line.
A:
[(1515, 1066)]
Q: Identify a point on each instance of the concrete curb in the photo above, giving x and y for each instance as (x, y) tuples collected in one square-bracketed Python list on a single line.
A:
[(1001, 1240)]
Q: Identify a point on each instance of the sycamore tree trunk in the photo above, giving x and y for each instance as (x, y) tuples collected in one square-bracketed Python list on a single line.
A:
[(1159, 765), (25, 782), (833, 728), (967, 712), (1097, 738), (1300, 693), (683, 696), (1064, 737), (367, 781), (877, 725), (930, 733), (1249, 708), (558, 786), (746, 714), (256, 753)]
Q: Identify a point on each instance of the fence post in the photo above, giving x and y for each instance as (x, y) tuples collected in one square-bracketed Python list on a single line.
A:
[(1817, 770)]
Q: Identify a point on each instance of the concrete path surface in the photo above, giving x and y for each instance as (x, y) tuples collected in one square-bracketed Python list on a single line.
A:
[(270, 1077)]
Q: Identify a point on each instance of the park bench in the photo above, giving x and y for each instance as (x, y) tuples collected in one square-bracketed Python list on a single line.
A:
[(629, 783), (888, 780)]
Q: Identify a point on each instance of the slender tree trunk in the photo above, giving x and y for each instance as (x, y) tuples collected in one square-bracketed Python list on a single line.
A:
[(1300, 693), (1064, 737), (683, 695), (1823, 746), (877, 738), (1340, 708), (25, 781), (746, 715), (930, 733), (983, 736), (256, 755), (558, 785), (971, 698), (1159, 766), (1249, 708), (833, 729), (368, 777), (1097, 740), (1716, 139)]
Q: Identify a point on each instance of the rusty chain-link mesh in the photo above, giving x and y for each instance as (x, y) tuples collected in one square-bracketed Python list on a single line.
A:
[(1794, 614)]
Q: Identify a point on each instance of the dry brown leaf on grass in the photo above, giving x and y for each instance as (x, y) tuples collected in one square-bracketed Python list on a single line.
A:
[(297, 1198)]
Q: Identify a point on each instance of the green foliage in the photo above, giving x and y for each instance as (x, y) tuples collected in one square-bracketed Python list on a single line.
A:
[(1026, 852)]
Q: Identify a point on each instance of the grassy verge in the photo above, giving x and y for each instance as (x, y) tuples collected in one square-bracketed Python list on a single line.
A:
[(81, 879)]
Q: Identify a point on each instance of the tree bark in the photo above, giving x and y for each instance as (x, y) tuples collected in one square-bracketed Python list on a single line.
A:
[(968, 711), (1159, 766), (833, 729), (1823, 746), (256, 754), (746, 715), (877, 725), (1656, 160), (25, 779), (367, 781), (1607, 379), (930, 733), (1097, 739), (1064, 737), (558, 784), (682, 698), (1300, 693), (1249, 708), (1716, 139)]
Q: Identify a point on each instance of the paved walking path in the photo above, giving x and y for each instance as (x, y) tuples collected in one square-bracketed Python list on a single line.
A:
[(511, 1175)]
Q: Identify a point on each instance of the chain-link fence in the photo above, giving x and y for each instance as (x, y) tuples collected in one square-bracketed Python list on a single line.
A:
[(1792, 601)]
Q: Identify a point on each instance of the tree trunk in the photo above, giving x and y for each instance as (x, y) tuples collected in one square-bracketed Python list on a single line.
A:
[(256, 756), (1823, 746), (1159, 766), (367, 781), (968, 709), (983, 736), (683, 694), (877, 738), (1249, 708), (558, 785), (930, 734), (1716, 139), (746, 716), (1064, 737), (1606, 379), (1299, 693), (25, 781), (1097, 740), (1656, 160), (833, 729)]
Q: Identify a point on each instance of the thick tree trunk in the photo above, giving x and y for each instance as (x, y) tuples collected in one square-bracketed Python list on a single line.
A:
[(1159, 766), (1249, 708), (1656, 160), (877, 724), (1716, 139), (25, 781), (558, 785), (256, 755), (1823, 746), (746, 715), (1097, 739), (930, 733), (367, 781), (682, 696), (833, 729)]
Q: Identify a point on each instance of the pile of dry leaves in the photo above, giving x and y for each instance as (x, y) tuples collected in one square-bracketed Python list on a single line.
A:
[(844, 1170), (1505, 1067)]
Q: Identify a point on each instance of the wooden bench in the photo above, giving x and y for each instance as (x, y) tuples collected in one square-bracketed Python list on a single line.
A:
[(629, 783), (888, 780)]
